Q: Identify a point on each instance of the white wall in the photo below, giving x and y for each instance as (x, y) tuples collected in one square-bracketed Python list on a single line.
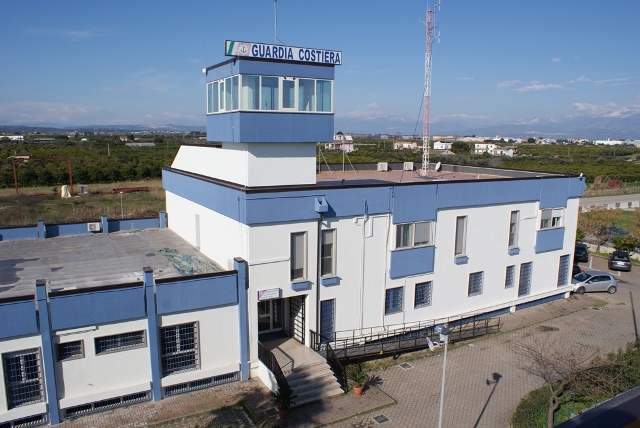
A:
[(97, 377), (251, 164)]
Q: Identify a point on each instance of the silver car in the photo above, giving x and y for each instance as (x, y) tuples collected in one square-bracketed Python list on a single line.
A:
[(594, 280)]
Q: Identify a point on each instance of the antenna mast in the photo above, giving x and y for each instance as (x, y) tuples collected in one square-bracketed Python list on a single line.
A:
[(275, 22), (430, 26)]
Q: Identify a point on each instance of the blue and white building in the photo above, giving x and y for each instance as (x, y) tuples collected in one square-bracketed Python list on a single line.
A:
[(99, 315)]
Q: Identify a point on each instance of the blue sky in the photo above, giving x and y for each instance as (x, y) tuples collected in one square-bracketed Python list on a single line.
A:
[(74, 63)]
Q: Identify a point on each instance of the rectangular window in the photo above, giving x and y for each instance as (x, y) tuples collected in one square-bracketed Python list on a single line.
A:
[(327, 320), (413, 234), (250, 92), (179, 348), (563, 271), (269, 93), (524, 287), (288, 94), (70, 350), (120, 342), (298, 255), (327, 252), (323, 95), (550, 218), (306, 94), (461, 236), (475, 283), (510, 276), (212, 97), (22, 377), (513, 229), (423, 294), (393, 300)]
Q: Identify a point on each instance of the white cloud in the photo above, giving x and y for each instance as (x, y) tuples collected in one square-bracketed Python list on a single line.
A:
[(537, 86), (595, 109), (31, 112), (555, 60), (507, 83), (373, 106), (460, 116), (581, 79), (465, 78)]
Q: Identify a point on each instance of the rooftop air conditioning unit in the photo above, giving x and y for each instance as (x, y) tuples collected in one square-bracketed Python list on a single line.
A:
[(383, 166), (94, 227), (408, 166)]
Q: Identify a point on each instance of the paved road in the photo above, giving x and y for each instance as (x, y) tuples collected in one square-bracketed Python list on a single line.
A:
[(485, 380)]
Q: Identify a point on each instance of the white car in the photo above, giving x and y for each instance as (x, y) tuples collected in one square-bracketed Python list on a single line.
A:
[(594, 280)]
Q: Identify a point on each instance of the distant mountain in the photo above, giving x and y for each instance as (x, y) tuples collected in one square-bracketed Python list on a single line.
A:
[(614, 126), (108, 129)]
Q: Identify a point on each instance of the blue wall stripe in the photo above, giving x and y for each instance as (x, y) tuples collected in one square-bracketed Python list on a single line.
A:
[(96, 307), (18, 319), (412, 261), (549, 240), (193, 294), (47, 353), (415, 202), (269, 68), (14, 233)]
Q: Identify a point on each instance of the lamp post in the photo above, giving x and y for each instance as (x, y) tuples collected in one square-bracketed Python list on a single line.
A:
[(121, 206), (444, 337)]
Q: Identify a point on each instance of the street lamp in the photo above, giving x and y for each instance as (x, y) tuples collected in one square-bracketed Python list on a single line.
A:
[(121, 206), (444, 337)]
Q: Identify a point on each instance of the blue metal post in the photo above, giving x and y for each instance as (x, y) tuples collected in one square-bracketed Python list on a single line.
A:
[(47, 353), (105, 224), (163, 219), (152, 329), (243, 316), (42, 230)]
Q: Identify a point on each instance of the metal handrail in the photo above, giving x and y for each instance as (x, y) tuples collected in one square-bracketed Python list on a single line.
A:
[(337, 369), (269, 360)]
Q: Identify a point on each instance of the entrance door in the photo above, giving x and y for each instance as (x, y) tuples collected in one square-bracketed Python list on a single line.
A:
[(270, 315), (296, 318)]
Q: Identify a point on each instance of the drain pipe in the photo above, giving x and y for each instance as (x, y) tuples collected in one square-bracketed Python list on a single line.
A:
[(318, 273)]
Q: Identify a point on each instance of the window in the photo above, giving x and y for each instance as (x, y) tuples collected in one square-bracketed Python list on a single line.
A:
[(269, 90), (120, 342), (179, 348), (513, 229), (563, 271), (475, 283), (550, 218), (70, 350), (461, 236), (323, 95), (393, 301), (327, 252), (298, 255), (269, 93), (524, 287), (306, 94), (510, 276), (413, 234), (22, 377), (423, 294)]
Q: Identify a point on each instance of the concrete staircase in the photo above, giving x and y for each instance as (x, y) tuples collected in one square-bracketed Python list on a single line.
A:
[(313, 382)]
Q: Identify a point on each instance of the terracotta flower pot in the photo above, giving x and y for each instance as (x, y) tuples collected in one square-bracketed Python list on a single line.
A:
[(283, 413), (358, 389)]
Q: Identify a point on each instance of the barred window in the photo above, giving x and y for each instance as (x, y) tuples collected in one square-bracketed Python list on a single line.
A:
[(393, 300), (524, 287), (475, 283), (70, 350), (179, 347), (423, 294), (22, 377), (120, 342), (510, 276), (563, 271)]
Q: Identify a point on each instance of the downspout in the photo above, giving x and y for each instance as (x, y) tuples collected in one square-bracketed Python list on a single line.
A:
[(318, 275), (362, 258)]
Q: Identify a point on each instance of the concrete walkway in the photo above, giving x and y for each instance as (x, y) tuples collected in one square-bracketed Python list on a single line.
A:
[(485, 380)]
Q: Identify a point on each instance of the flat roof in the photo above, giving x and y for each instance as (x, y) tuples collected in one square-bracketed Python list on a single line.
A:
[(87, 261)]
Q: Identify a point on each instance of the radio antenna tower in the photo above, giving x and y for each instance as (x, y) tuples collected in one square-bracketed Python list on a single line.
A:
[(430, 25)]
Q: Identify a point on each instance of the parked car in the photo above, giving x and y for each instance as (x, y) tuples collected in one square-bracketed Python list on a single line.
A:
[(576, 269), (594, 280), (620, 260), (581, 253)]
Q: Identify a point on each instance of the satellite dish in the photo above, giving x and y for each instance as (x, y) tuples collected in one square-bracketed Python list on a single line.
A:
[(438, 166)]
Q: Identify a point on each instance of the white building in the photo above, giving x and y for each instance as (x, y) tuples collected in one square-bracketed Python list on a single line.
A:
[(439, 145), (480, 148), (314, 256), (341, 142)]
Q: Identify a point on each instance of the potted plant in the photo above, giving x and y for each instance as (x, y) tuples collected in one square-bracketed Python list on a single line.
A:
[(359, 379), (283, 399)]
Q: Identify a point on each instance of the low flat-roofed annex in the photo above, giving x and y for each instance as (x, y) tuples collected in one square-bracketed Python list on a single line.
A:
[(87, 261)]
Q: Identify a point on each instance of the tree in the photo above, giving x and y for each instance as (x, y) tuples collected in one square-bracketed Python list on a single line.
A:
[(459, 147), (598, 223), (626, 243), (558, 364)]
